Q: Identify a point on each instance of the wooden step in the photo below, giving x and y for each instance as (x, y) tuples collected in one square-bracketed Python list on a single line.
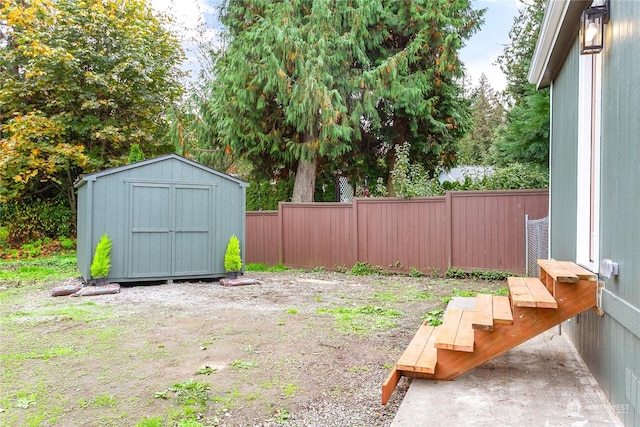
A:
[(492, 310), (529, 292), (565, 271), (419, 358), (483, 313), (527, 323), (421, 354), (581, 272), (502, 314), (456, 332)]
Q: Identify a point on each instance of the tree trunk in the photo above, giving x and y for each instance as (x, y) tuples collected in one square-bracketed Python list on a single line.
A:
[(305, 183), (391, 163)]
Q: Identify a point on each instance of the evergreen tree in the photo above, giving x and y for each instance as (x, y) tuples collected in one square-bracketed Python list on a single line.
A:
[(525, 137), (305, 83), (487, 113), (515, 60)]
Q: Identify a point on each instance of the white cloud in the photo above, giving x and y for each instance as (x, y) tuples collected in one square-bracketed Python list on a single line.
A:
[(190, 25)]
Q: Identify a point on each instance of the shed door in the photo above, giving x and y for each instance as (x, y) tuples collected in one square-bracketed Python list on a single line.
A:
[(171, 229), (192, 246), (151, 220)]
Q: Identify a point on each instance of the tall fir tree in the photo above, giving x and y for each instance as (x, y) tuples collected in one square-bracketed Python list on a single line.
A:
[(525, 137), (488, 115), (305, 83)]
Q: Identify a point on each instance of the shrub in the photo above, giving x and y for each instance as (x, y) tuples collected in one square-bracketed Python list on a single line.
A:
[(365, 269), (265, 195), (101, 263), (135, 154), (33, 219), (232, 259), (455, 273)]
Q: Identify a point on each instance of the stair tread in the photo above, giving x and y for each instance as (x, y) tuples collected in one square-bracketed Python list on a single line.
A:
[(530, 292), (502, 314), (483, 313), (456, 332), (560, 271), (421, 354), (581, 272)]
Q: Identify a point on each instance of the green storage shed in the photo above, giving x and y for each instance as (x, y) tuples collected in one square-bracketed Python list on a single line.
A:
[(169, 218)]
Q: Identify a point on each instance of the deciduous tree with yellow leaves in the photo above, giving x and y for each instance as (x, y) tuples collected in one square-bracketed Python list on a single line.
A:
[(80, 82)]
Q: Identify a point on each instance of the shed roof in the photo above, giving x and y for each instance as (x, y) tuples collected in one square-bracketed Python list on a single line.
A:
[(95, 175), (558, 30)]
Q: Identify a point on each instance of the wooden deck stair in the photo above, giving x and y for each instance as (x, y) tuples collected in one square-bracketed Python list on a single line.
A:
[(468, 338)]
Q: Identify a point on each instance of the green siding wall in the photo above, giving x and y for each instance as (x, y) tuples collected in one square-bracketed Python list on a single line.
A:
[(620, 150), (620, 206), (609, 344), (563, 159)]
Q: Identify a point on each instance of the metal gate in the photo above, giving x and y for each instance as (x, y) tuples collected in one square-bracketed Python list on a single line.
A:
[(537, 243)]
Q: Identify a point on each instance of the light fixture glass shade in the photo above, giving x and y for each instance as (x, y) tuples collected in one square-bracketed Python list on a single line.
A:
[(592, 30)]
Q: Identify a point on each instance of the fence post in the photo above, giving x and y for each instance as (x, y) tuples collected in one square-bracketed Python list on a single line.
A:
[(526, 244), (354, 230), (280, 236), (449, 228)]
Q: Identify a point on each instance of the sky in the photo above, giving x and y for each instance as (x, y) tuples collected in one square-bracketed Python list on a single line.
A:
[(484, 47), (479, 54)]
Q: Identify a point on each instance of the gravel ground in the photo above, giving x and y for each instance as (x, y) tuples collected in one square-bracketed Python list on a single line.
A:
[(302, 367)]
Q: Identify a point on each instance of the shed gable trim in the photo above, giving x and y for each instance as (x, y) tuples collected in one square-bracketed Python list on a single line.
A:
[(559, 28), (95, 175)]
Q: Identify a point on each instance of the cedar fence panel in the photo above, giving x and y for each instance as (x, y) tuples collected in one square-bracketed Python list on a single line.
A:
[(317, 235), (263, 243), (402, 233), (488, 228), (469, 230)]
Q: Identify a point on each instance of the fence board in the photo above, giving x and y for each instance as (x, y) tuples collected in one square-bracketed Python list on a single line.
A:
[(402, 233), (317, 235), (467, 229), (488, 228), (263, 238)]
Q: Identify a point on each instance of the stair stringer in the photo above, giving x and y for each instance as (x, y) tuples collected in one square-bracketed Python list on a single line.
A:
[(572, 298)]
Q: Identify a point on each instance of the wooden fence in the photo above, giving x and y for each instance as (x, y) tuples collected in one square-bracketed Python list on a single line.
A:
[(468, 230)]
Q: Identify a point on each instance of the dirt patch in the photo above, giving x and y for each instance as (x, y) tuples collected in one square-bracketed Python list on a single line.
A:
[(295, 349)]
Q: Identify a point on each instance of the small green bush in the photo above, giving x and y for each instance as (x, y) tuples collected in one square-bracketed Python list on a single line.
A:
[(365, 269), (456, 273), (4, 233), (490, 275), (101, 263), (232, 259), (67, 243)]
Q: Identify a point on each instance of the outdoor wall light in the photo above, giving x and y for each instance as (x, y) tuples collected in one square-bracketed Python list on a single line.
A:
[(592, 28)]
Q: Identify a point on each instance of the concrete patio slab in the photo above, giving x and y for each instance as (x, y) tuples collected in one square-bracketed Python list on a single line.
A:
[(542, 382)]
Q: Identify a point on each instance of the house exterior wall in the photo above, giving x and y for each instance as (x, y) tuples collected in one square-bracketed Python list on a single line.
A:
[(620, 204), (609, 344), (167, 219), (563, 160)]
